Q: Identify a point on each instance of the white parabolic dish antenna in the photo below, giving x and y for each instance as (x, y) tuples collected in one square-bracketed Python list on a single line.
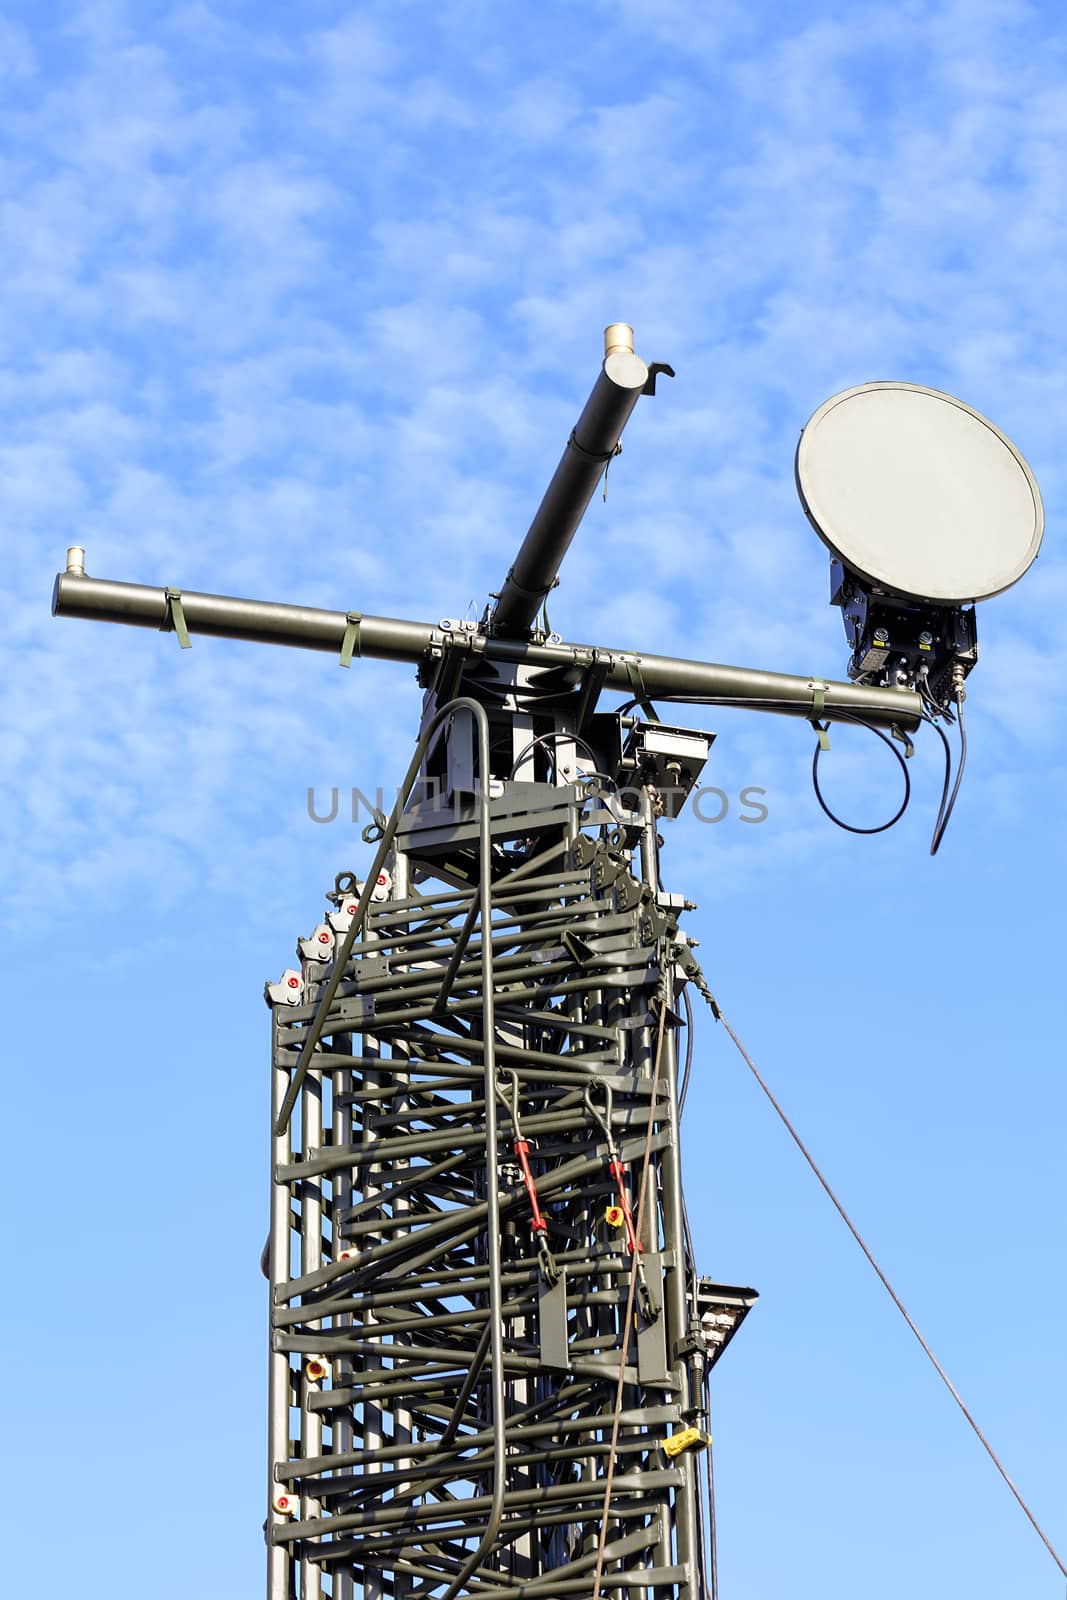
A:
[(919, 493)]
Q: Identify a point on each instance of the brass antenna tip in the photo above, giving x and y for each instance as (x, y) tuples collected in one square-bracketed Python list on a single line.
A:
[(618, 336)]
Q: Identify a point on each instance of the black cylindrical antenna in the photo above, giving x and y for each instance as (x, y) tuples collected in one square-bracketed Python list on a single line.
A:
[(594, 440)]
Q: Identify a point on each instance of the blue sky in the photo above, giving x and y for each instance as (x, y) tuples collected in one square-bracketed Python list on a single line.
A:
[(302, 303)]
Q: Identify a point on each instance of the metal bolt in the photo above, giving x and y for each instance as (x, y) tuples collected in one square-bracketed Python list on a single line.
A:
[(926, 638)]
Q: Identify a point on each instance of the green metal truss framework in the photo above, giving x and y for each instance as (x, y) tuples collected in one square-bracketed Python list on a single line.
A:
[(443, 1396)]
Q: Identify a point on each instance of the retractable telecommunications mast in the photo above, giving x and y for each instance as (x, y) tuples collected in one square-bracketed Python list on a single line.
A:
[(490, 1344)]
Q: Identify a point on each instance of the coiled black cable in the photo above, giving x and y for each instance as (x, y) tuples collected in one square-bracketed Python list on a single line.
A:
[(850, 827)]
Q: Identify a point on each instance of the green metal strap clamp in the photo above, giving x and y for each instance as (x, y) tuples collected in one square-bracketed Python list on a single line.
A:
[(898, 733), (607, 456), (818, 706), (616, 452), (593, 455), (637, 684), (546, 626), (176, 618), (350, 643)]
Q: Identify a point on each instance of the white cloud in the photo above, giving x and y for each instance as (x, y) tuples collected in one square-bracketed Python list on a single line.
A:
[(801, 225)]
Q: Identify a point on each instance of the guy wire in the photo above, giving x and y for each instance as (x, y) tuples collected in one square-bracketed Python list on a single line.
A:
[(850, 1225)]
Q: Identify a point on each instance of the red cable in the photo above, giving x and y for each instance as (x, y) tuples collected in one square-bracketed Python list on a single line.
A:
[(522, 1148), (618, 1172)]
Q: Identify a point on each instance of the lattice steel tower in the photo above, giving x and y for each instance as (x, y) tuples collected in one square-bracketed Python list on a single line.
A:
[(459, 1241)]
